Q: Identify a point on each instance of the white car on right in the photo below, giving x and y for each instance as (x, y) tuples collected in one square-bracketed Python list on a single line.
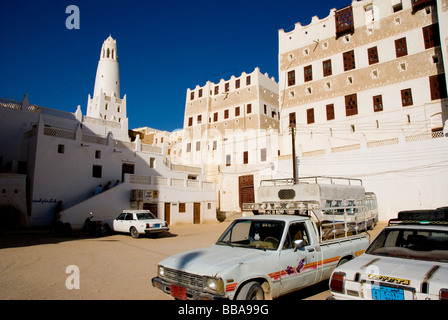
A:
[(407, 261)]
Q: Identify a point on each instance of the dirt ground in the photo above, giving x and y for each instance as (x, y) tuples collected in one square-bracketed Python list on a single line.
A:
[(35, 265)]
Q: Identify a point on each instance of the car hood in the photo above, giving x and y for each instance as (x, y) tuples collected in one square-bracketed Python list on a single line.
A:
[(405, 272), (211, 261)]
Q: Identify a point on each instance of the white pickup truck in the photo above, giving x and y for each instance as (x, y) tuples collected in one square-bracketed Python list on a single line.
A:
[(407, 261), (135, 222), (256, 258)]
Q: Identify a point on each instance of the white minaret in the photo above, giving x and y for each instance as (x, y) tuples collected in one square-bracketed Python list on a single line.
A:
[(106, 103)]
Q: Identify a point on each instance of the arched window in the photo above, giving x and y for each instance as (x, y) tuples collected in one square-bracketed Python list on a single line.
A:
[(113, 54), (108, 53)]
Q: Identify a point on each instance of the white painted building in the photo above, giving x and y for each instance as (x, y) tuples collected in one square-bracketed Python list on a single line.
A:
[(365, 89), (65, 156), (231, 129)]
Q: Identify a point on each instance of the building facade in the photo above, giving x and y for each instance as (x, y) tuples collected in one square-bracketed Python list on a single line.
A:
[(365, 90), (53, 160), (230, 129)]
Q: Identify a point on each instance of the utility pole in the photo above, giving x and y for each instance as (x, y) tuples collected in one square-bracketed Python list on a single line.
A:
[(292, 127)]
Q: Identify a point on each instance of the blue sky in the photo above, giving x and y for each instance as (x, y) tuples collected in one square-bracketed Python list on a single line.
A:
[(164, 47)]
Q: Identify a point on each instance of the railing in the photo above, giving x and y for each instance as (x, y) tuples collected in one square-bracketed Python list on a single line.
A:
[(170, 182)]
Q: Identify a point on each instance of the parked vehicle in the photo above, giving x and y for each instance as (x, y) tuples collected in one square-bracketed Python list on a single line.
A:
[(135, 222), (91, 227), (257, 257), (407, 261)]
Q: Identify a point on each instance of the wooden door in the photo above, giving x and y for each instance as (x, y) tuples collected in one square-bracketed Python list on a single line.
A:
[(197, 213), (246, 189), (168, 212)]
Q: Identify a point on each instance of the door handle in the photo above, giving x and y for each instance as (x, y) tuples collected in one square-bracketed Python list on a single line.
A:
[(310, 249)]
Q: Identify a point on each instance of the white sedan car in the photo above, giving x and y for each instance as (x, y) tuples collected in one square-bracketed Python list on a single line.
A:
[(136, 222)]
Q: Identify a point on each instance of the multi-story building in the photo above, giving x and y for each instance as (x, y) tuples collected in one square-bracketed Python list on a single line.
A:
[(367, 73), (230, 128), (365, 91)]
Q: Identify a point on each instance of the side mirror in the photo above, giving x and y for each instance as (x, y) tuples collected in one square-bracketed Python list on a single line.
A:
[(298, 244)]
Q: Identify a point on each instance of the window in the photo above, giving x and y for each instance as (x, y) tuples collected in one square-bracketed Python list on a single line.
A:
[(406, 97), (296, 231), (378, 103), (97, 154), (265, 109), (291, 78), (431, 36), (198, 145), (96, 171), (152, 162), (308, 73), (292, 119), (248, 80), (192, 95), (263, 155), (226, 114), (330, 111), (216, 90), (61, 148), (215, 117), (349, 60), (182, 207), (190, 121), (199, 119), (310, 116), (249, 108), (437, 86), (344, 21), (401, 48), (189, 147), (246, 157), (397, 5), (215, 145), (237, 84), (200, 93), (237, 111), (373, 55), (226, 87), (351, 105), (327, 68), (228, 160)]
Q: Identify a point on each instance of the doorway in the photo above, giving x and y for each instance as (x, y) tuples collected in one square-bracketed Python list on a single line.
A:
[(168, 212), (197, 213), (127, 168), (246, 189)]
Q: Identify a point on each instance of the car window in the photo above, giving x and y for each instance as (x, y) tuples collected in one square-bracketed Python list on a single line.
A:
[(129, 216), (296, 231), (121, 216)]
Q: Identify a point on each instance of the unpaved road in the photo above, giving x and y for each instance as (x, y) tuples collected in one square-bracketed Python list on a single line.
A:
[(33, 264)]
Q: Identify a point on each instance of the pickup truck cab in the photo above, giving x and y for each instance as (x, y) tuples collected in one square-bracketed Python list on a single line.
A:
[(407, 261), (256, 258), (135, 222)]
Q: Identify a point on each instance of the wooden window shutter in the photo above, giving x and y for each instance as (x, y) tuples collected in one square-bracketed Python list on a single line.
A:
[(431, 36), (437, 86), (292, 119), (401, 48), (327, 68), (349, 60), (344, 21), (310, 115), (378, 103), (373, 55), (330, 111), (406, 97), (308, 73), (291, 78), (351, 105)]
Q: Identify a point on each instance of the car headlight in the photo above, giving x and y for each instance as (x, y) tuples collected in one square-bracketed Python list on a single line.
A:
[(160, 271), (215, 285)]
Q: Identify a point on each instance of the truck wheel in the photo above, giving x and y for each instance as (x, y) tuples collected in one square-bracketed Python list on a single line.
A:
[(134, 233), (251, 291)]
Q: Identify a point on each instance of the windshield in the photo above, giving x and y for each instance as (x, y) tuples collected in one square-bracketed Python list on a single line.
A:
[(253, 234), (415, 244), (145, 216)]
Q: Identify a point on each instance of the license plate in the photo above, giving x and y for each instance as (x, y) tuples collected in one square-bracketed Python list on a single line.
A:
[(387, 293), (178, 292), (157, 226)]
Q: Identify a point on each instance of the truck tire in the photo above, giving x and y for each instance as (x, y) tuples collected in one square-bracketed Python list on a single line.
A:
[(134, 233), (251, 291)]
